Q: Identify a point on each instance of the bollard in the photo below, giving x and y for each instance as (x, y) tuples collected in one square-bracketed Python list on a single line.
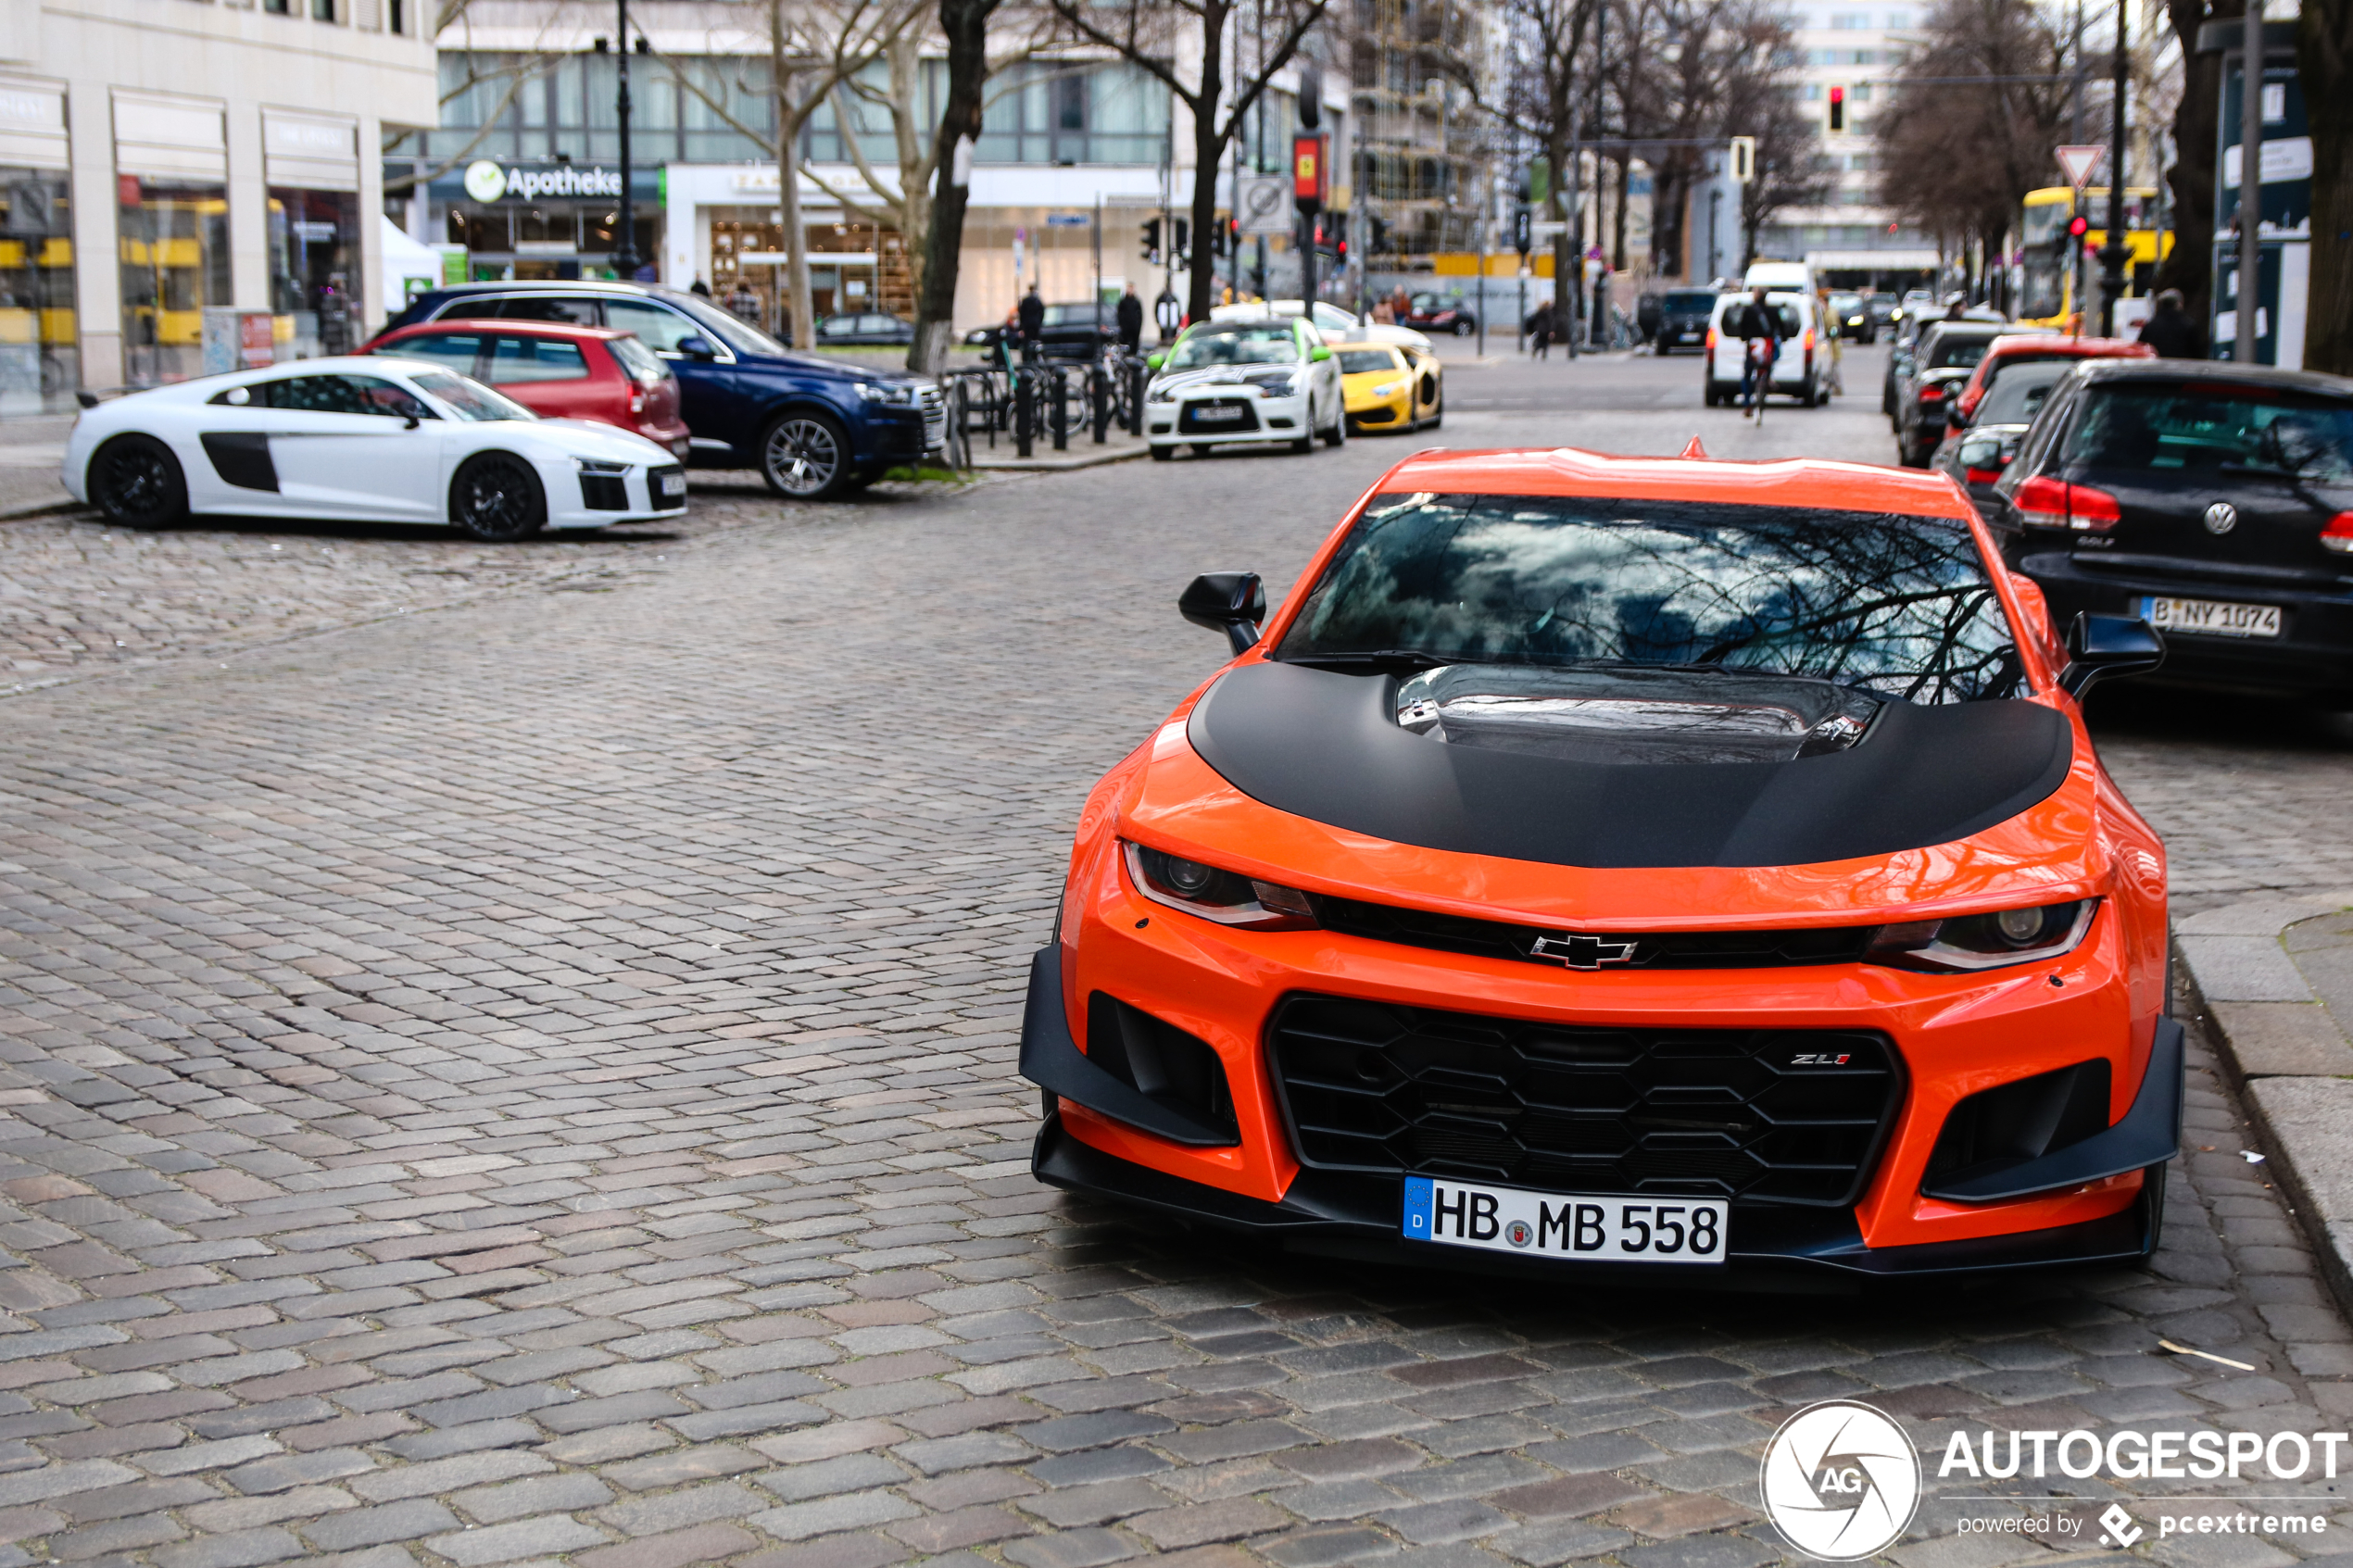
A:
[(1058, 418), (1138, 377), (1024, 432), (1099, 384)]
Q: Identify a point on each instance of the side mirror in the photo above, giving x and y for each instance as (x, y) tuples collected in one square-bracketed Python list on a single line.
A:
[(2101, 646), (1318, 353), (1954, 418), (696, 348), (1231, 602), (1154, 362)]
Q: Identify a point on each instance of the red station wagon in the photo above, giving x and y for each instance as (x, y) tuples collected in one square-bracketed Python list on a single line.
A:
[(556, 370)]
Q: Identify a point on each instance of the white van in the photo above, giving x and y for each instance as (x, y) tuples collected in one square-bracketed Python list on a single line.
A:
[(1801, 369), (1797, 277)]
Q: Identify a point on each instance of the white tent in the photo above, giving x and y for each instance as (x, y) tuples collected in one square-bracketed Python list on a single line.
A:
[(402, 258)]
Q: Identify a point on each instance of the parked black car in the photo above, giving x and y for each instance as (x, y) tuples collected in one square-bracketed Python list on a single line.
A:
[(1682, 318), (1938, 366), (1880, 309), (1069, 331), (1977, 454), (867, 329), (1850, 319), (2214, 500), (815, 428)]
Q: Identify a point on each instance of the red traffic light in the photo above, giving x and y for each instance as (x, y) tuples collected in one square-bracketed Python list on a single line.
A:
[(2079, 226)]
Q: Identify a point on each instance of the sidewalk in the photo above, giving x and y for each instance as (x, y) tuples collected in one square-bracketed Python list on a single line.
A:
[(1083, 453), (30, 451), (2276, 977)]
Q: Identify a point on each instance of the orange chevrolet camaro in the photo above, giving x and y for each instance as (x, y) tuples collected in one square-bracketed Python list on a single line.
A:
[(1664, 868)]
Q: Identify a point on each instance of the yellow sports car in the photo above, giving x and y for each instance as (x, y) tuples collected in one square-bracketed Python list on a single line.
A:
[(1390, 386)]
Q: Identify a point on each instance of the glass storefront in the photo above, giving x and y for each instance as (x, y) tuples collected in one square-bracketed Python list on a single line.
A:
[(314, 247), (174, 239), (543, 220), (40, 360), (852, 266)]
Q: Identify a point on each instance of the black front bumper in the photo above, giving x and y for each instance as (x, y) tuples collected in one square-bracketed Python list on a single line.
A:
[(1350, 1214), (2313, 652)]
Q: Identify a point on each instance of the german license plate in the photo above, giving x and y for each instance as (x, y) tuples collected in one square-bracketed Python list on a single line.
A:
[(673, 484), (2207, 617), (1551, 1224), (1216, 415)]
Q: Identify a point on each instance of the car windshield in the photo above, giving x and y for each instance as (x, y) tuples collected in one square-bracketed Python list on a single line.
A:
[(1899, 605), (1358, 361), (1846, 304), (732, 329), (1271, 344), (2018, 391), (468, 398), (1691, 302), (2161, 425)]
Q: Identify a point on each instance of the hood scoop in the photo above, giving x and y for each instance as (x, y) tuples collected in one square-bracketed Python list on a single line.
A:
[(1634, 715)]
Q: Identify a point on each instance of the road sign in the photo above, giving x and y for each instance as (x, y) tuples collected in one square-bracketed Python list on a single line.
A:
[(2079, 162), (1264, 205)]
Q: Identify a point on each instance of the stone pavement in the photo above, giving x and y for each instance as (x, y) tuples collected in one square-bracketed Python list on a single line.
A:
[(530, 1080)]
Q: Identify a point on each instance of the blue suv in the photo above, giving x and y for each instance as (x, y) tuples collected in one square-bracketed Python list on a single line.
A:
[(813, 428)]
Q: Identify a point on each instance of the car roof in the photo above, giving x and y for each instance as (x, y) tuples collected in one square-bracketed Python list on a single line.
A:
[(2057, 346), (555, 285), (515, 327), (1806, 482), (2215, 370)]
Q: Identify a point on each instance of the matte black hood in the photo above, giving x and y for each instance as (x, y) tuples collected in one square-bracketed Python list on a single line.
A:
[(1329, 746)]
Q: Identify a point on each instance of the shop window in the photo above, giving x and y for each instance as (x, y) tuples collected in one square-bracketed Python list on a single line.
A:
[(174, 254), (39, 362), (535, 359), (482, 232), (314, 251)]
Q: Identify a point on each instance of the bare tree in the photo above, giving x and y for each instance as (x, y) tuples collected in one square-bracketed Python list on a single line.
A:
[(1543, 95), (810, 48), (513, 72), (1152, 34), (965, 25)]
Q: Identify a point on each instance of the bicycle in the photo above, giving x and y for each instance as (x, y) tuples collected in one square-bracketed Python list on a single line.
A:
[(1760, 374)]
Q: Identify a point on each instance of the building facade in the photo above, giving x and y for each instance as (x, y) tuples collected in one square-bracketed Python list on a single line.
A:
[(161, 158)]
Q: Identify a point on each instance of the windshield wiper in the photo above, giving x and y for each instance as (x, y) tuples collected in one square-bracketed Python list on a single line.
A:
[(1385, 658)]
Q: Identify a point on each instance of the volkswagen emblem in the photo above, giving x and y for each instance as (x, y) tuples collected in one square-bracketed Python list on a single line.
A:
[(2222, 516)]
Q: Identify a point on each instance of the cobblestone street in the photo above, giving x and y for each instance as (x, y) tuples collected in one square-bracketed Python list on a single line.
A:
[(498, 1073)]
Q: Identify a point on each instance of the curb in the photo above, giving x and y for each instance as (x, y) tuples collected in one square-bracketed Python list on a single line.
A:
[(2287, 1055), (38, 508), (1062, 464)]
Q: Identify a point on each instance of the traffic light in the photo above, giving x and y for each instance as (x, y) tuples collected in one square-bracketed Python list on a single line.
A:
[(2079, 226), (1151, 240), (1181, 244), (1838, 108), (1523, 230)]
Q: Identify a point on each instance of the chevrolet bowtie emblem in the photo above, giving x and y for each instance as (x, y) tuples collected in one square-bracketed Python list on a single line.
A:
[(1582, 952)]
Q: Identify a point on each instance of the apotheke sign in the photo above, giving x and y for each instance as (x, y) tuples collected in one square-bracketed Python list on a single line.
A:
[(485, 182)]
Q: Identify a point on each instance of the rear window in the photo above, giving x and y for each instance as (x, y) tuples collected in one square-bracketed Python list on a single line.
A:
[(457, 350), (1899, 605), (1691, 302), (1949, 352), (536, 359), (2214, 426), (1357, 361), (2018, 391), (546, 308), (641, 363)]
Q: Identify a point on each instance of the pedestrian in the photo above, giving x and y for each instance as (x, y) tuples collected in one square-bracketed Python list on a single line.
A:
[(1031, 317), (743, 301), (1132, 320), (2169, 329), (1540, 339), (699, 286), (1749, 322)]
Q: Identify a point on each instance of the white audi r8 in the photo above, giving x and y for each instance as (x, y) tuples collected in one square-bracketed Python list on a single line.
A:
[(377, 439), (1229, 383)]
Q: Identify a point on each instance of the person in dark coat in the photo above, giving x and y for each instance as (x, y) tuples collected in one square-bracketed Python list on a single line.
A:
[(1030, 316), (1132, 320), (699, 288), (2171, 331)]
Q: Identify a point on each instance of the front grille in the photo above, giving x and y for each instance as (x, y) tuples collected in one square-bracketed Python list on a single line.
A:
[(1375, 416), (1771, 1115), (657, 497), (1190, 423), (604, 493), (1652, 949)]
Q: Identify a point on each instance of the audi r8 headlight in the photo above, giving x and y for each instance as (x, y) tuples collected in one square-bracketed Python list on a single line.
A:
[(1214, 894), (1990, 941), (592, 465), (902, 394)]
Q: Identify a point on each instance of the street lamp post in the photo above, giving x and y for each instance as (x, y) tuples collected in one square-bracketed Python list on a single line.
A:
[(2115, 251), (625, 258)]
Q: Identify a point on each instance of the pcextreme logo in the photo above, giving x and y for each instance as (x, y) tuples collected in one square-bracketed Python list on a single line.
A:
[(1840, 1481)]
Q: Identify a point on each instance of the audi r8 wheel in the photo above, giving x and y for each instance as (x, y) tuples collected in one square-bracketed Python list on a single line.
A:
[(805, 457), (497, 498), (137, 483)]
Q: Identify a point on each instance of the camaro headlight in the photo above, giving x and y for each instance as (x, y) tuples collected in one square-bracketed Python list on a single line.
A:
[(1389, 389), (1161, 395), (901, 395), (594, 464), (1987, 941), (1214, 894)]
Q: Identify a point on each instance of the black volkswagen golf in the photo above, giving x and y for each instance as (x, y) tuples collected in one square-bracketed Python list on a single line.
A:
[(2213, 500)]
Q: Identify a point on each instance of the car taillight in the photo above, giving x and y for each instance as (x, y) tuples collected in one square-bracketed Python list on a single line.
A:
[(1933, 392), (2053, 503), (1809, 340), (2338, 534), (1711, 340), (1982, 476), (636, 402)]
